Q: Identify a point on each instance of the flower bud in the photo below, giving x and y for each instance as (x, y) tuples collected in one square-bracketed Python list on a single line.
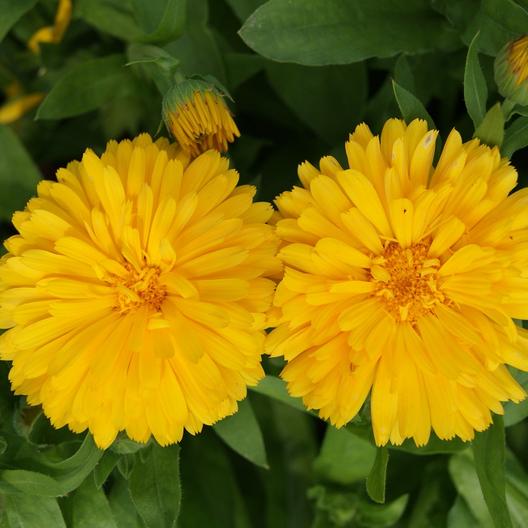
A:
[(197, 116), (511, 71)]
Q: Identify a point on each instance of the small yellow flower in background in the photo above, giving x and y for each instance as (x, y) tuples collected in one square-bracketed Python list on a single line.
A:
[(401, 280), (53, 34), (135, 292), (197, 116), (15, 108), (511, 71)]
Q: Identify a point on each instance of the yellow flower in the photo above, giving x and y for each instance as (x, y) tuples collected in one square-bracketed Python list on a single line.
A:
[(511, 70), (135, 292), (197, 116), (401, 280), (15, 108), (53, 34)]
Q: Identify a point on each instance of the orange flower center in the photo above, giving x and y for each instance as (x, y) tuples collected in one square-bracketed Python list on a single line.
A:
[(140, 288), (407, 280)]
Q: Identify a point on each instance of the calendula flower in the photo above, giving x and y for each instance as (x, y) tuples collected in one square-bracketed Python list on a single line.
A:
[(401, 280), (135, 292), (197, 116), (53, 34), (511, 70)]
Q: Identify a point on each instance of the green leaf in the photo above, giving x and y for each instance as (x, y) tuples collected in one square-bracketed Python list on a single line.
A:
[(516, 490), (242, 66), (403, 74), (29, 482), (380, 516), (18, 174), (344, 507), (378, 476), (126, 464), (333, 507), (433, 496), (323, 32), (515, 412), (521, 110), (70, 472), (90, 508), (276, 388), (110, 16), (162, 20), (211, 494), (244, 8), (149, 54), (498, 21), (155, 486), (30, 511), (242, 433), (125, 446), (488, 450), (475, 88), (104, 468), (121, 504), (153, 63), (462, 471), (315, 94), (197, 49), (3, 445), (11, 12), (460, 515), (515, 137), (410, 106), (491, 129), (85, 87), (344, 458)]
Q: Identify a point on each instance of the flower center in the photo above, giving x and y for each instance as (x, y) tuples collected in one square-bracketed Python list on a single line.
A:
[(140, 288), (407, 280)]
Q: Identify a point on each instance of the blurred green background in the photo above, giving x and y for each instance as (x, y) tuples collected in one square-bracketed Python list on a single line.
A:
[(302, 74)]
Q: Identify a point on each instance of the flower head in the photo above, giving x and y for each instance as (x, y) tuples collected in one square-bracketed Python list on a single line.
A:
[(197, 116), (135, 292), (401, 280), (511, 70)]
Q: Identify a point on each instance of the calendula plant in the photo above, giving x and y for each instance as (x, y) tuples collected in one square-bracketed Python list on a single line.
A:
[(265, 263)]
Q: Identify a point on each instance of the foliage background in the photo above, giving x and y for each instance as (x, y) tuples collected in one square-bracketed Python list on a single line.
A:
[(302, 74)]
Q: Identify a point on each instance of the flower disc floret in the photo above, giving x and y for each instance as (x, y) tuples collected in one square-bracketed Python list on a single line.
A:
[(406, 280)]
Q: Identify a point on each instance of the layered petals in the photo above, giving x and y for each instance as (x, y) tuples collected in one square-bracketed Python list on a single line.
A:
[(134, 295), (401, 281)]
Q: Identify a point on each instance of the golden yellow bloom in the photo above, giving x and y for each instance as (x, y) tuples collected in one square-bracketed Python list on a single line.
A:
[(197, 116), (15, 108), (135, 292), (53, 34), (401, 280), (511, 70)]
